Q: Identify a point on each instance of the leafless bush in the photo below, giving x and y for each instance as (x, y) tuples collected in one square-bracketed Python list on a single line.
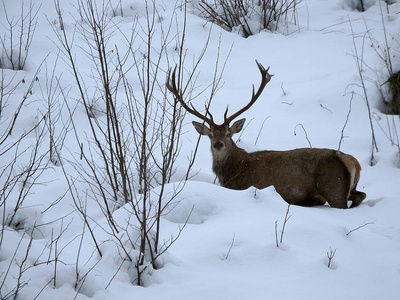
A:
[(7, 87), (248, 17), (358, 57), (52, 94), (129, 155), (20, 166), (104, 160), (23, 160), (388, 53), (363, 5), (18, 36), (17, 267), (387, 80)]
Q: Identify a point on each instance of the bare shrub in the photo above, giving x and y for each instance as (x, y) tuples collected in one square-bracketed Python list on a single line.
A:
[(128, 156), (248, 17), (358, 57), (22, 162), (387, 81), (20, 166), (363, 5), (18, 36)]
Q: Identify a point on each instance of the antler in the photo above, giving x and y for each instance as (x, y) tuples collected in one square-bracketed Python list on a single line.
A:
[(266, 77), (171, 86)]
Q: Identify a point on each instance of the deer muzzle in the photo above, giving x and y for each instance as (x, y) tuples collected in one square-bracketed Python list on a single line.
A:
[(218, 145)]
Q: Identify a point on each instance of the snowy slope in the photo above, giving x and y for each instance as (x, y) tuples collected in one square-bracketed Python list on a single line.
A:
[(227, 249)]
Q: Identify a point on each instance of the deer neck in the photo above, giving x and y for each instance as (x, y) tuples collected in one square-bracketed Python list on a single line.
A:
[(235, 153), (231, 169)]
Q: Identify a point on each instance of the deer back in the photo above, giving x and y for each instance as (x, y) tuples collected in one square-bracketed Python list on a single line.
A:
[(304, 177)]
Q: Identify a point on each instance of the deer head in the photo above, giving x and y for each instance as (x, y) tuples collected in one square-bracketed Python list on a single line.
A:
[(220, 135)]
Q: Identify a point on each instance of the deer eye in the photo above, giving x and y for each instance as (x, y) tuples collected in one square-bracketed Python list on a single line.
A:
[(228, 134), (210, 135)]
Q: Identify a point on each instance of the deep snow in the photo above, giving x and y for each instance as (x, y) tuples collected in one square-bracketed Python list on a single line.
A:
[(228, 250)]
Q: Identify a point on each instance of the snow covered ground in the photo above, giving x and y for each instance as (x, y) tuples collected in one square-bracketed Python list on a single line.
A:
[(228, 249)]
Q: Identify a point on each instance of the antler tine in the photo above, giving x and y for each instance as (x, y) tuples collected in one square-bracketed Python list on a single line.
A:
[(226, 112), (208, 113), (171, 86), (266, 77)]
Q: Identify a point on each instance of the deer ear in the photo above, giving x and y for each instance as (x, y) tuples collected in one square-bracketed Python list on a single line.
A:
[(201, 128), (237, 126)]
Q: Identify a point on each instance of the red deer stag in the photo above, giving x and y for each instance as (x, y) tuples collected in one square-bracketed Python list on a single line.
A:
[(305, 177)]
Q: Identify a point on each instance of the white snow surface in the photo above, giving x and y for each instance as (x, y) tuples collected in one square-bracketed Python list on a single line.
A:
[(227, 249)]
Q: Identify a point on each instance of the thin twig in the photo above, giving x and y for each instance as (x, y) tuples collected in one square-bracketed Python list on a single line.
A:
[(276, 233), (330, 256), (261, 128), (230, 248), (370, 223), (287, 217), (345, 123), (305, 132)]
